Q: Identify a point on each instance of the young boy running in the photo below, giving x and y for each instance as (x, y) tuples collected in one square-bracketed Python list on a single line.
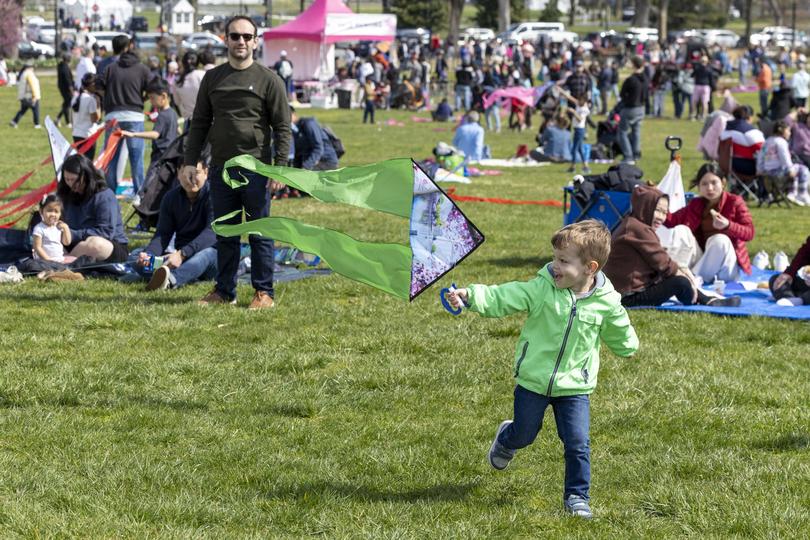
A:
[(570, 305)]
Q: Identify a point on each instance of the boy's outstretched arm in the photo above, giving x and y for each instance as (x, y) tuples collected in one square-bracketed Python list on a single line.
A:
[(618, 333), (506, 299)]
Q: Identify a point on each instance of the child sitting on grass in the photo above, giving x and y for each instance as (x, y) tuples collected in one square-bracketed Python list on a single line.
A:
[(50, 235), (570, 305)]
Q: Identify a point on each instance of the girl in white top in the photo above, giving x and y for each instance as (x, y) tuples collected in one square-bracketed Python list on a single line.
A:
[(774, 159), (51, 235), (86, 112)]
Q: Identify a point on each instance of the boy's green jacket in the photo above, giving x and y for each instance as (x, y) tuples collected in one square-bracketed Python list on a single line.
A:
[(558, 350)]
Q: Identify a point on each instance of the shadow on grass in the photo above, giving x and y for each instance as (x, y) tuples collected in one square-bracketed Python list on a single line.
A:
[(72, 400), (326, 490), (518, 262), (94, 298), (785, 443)]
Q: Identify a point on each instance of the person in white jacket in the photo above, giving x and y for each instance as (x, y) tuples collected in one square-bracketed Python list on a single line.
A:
[(775, 159)]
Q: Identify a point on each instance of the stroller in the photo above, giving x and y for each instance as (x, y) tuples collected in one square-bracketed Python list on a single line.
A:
[(607, 134), (160, 178)]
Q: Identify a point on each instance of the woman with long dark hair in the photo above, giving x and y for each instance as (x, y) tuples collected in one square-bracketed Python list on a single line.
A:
[(717, 227), (92, 212), (187, 84)]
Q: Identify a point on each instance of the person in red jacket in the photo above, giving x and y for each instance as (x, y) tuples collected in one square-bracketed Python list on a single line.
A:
[(792, 287), (720, 225), (641, 269)]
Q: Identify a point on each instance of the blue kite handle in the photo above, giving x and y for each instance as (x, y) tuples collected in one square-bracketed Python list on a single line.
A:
[(445, 303)]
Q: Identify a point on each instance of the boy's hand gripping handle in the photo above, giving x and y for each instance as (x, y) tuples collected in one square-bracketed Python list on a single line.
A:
[(446, 303)]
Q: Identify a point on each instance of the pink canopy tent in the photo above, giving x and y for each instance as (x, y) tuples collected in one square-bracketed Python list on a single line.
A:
[(310, 38)]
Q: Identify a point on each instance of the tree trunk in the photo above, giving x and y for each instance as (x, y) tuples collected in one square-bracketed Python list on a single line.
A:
[(663, 19), (572, 11), (386, 6), (504, 15), (642, 17), (618, 13), (456, 7), (747, 35), (777, 12)]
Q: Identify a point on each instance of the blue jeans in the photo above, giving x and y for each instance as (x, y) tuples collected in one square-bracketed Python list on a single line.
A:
[(202, 266), (630, 121), (573, 417), (576, 146), (135, 147), (763, 101), (26, 104), (463, 93), (254, 198), (368, 111)]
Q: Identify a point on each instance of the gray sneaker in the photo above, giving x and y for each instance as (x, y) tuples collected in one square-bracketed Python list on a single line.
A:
[(499, 455), (578, 506)]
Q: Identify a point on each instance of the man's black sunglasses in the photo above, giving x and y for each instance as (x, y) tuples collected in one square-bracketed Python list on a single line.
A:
[(234, 36)]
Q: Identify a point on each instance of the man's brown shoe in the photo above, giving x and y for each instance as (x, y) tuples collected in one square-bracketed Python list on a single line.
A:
[(215, 298), (261, 300)]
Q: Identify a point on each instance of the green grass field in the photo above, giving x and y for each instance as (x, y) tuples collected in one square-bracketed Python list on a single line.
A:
[(347, 413)]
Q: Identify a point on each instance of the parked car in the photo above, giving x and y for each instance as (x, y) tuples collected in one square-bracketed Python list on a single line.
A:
[(478, 34), (40, 30), (530, 31), (205, 40), (773, 36), (104, 39), (724, 38), (31, 50), (147, 41), (138, 24), (419, 35), (642, 34)]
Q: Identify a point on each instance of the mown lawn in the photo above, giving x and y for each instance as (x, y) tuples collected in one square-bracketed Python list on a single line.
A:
[(347, 413)]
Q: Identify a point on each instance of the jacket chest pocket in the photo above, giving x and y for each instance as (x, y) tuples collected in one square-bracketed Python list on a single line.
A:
[(589, 324)]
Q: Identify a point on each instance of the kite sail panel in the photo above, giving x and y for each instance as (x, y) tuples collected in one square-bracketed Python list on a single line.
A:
[(439, 235)]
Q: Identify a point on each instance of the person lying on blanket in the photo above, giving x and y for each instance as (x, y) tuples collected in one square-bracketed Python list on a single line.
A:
[(185, 214), (792, 287), (717, 226), (641, 269)]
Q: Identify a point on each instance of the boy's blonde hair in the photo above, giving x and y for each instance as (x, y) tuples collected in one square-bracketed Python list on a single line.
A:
[(590, 237)]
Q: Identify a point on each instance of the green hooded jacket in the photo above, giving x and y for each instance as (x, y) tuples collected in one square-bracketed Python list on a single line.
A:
[(558, 350)]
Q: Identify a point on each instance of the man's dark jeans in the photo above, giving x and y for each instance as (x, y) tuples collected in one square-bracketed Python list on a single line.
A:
[(254, 198), (573, 417)]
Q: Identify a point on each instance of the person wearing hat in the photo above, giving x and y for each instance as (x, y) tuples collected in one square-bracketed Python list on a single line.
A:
[(800, 82), (284, 68), (28, 92)]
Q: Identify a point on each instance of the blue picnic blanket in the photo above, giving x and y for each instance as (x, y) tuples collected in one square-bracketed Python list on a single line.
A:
[(758, 302)]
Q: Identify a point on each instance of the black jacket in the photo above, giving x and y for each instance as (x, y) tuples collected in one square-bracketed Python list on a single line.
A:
[(189, 222), (633, 93), (64, 79), (124, 84)]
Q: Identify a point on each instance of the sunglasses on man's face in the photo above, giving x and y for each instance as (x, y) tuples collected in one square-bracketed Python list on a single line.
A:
[(234, 36)]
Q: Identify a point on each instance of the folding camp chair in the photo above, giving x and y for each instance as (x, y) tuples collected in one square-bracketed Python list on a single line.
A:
[(742, 184)]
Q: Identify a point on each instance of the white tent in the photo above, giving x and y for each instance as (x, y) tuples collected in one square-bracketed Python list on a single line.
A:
[(99, 11)]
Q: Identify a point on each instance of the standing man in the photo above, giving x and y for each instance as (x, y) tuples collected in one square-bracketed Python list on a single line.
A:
[(633, 96), (240, 107), (284, 68), (64, 80), (801, 83), (764, 83), (124, 85), (578, 84)]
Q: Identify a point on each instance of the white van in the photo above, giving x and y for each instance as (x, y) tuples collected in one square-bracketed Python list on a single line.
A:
[(531, 31)]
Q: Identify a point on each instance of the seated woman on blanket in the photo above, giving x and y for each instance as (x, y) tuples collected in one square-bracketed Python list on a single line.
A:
[(774, 159), (788, 287), (641, 269), (91, 212), (714, 229), (555, 141)]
